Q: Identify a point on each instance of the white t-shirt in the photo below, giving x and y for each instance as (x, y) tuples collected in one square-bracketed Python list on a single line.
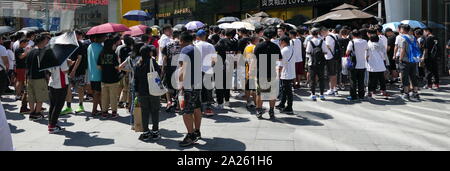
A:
[(3, 53), (398, 39), (163, 42), (307, 39), (309, 48), (330, 43), (383, 41), (16, 45), (11, 58), (5, 134), (58, 77), (297, 47), (360, 52), (207, 51), (377, 55), (288, 63)]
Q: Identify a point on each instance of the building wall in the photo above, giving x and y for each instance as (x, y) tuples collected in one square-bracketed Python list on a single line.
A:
[(398, 10)]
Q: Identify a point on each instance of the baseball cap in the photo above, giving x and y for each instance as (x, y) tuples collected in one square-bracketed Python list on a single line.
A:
[(201, 33)]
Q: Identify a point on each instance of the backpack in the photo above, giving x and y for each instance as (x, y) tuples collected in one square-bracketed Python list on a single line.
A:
[(413, 51), (317, 55), (353, 60), (337, 48)]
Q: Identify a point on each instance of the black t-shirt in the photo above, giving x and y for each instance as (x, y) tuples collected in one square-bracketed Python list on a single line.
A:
[(226, 46), (391, 43), (82, 50), (20, 63), (33, 64), (268, 49), (242, 44), (429, 44), (108, 63), (214, 39)]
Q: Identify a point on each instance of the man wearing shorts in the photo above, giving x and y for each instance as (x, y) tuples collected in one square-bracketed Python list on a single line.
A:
[(95, 75), (21, 69), (37, 85), (191, 89)]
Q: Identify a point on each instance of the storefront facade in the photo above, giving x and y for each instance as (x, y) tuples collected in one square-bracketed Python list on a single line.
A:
[(175, 11)]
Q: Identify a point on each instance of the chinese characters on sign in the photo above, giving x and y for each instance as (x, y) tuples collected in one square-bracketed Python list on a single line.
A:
[(276, 3)]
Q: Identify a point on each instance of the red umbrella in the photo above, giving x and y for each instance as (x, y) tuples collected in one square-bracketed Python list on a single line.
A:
[(136, 30), (107, 28)]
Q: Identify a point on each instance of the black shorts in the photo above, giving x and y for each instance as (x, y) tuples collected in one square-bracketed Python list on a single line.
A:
[(332, 67), (96, 86), (192, 101)]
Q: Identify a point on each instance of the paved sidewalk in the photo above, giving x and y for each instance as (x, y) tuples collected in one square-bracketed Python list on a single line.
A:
[(335, 124)]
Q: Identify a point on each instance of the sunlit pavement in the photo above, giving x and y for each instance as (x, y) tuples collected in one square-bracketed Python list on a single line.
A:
[(335, 124)]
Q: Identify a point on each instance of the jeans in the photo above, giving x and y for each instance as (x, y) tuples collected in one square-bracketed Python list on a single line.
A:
[(3, 81), (286, 93), (110, 94), (375, 79), (150, 108), (432, 71), (357, 77), (57, 99), (317, 71)]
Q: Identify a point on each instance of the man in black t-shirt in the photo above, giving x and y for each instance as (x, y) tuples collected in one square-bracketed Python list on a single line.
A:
[(266, 51), (37, 85), (431, 51), (21, 68), (77, 77), (226, 46), (390, 51)]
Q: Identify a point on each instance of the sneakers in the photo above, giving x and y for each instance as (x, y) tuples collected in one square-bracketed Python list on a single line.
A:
[(313, 97), (145, 136), (428, 87), (188, 140), (288, 111), (66, 111), (105, 115), (198, 135), (251, 104), (54, 130), (330, 93), (150, 135), (416, 96), (406, 97), (436, 86), (220, 107), (121, 105), (259, 113), (369, 95), (350, 98), (272, 114), (209, 112), (80, 109), (36, 116), (322, 97)]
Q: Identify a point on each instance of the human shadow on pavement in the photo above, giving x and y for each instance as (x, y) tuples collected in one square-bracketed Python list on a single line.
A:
[(61, 122), (14, 116), (9, 107), (205, 144), (227, 119), (170, 133), (300, 121), (84, 139), (14, 129), (318, 115)]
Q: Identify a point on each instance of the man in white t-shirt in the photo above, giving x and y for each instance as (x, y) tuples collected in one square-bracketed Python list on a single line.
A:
[(316, 70), (287, 75), (331, 41), (357, 47), (207, 52), (165, 39)]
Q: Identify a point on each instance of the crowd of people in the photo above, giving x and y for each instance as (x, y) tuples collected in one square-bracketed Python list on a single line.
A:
[(111, 70)]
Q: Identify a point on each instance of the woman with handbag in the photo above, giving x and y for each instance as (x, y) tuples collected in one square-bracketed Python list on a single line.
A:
[(150, 104)]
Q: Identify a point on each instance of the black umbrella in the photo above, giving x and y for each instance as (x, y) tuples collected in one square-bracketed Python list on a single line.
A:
[(60, 49), (6, 29), (228, 20)]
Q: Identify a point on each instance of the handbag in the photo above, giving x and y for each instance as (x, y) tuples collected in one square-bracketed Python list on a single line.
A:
[(155, 85)]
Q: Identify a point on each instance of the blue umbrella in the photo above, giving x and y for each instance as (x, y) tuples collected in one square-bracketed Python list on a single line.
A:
[(414, 24), (194, 25), (436, 25), (137, 15), (393, 26)]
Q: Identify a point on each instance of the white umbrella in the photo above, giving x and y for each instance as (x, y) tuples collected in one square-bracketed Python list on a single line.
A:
[(239, 25), (194, 25), (225, 26)]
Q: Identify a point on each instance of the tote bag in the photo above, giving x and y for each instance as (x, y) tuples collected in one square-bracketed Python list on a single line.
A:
[(155, 86)]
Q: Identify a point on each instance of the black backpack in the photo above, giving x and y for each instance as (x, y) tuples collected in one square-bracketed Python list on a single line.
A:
[(337, 48), (317, 55)]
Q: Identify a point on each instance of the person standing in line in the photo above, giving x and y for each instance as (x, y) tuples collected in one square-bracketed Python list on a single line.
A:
[(37, 81), (108, 64), (315, 52), (95, 74), (58, 87), (333, 54), (431, 52), (287, 75), (124, 89), (357, 49), (408, 64), (150, 104), (21, 69), (191, 89), (208, 52), (376, 65), (266, 52), (250, 74)]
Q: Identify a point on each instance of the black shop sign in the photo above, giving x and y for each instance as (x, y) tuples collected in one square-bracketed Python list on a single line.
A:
[(291, 3)]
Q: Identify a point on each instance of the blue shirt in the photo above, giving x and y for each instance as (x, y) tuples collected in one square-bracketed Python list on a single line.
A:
[(93, 52)]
